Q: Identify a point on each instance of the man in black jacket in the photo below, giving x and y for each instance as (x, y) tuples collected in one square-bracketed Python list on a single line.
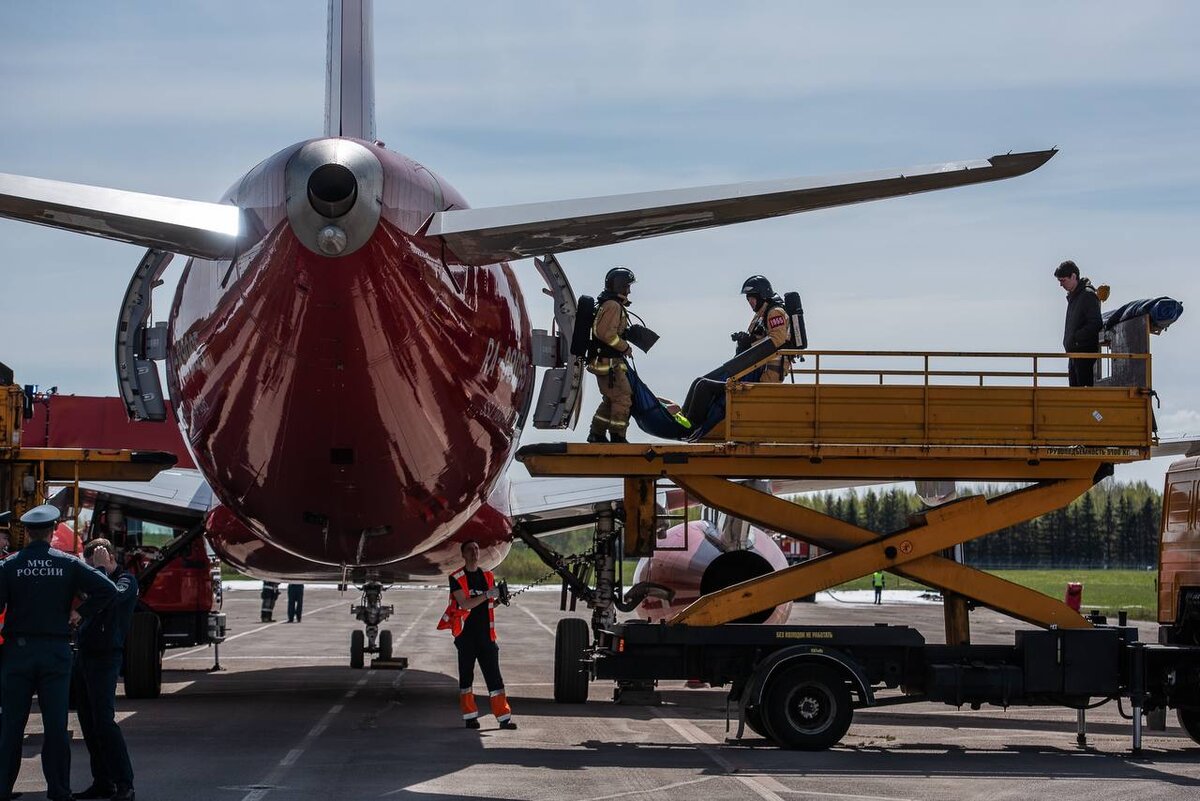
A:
[(38, 585), (1081, 332), (101, 648)]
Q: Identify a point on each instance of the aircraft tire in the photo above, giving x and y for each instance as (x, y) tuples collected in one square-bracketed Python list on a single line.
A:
[(385, 644), (143, 657), (571, 679), (808, 707), (357, 645)]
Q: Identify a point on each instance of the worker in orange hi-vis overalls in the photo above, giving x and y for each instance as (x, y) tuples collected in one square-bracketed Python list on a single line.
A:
[(471, 618)]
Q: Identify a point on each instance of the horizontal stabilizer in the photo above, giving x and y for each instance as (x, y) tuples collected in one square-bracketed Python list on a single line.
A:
[(1176, 446), (483, 236), (187, 227)]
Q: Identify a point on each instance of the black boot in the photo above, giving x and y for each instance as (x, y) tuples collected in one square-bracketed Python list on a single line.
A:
[(597, 434), (617, 437), (96, 791)]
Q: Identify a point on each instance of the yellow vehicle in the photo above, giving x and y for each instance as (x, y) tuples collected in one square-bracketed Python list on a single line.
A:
[(25, 473), (861, 417), (1179, 555)]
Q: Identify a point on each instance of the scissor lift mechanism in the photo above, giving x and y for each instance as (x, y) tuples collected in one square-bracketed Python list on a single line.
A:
[(1059, 439), (1011, 421)]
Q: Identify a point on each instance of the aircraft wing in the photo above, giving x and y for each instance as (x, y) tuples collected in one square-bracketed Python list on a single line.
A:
[(483, 236), (552, 505), (1187, 445), (179, 498), (187, 227)]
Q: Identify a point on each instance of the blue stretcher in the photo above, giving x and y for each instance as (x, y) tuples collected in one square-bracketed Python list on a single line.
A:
[(704, 408), (1161, 311)]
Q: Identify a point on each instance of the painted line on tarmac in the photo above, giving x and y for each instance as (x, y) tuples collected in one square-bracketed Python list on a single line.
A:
[(549, 630), (415, 618), (648, 790), (244, 634), (277, 774), (856, 796), (284, 657), (764, 787)]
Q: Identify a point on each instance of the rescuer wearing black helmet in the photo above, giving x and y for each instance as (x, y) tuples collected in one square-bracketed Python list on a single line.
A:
[(770, 320), (607, 363)]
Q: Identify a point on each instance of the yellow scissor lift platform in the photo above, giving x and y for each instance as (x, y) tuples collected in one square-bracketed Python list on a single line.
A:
[(865, 417)]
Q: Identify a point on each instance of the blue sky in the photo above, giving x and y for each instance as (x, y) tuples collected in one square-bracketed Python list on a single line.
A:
[(518, 102)]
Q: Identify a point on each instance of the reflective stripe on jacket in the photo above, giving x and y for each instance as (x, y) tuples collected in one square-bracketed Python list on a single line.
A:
[(454, 616), (607, 328)]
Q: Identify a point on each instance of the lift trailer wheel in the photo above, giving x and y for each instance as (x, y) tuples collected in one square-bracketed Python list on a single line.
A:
[(571, 641), (143, 657), (357, 644), (754, 719), (385, 644), (1189, 719), (808, 707)]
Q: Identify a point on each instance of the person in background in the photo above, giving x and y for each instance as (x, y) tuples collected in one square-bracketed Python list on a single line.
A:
[(101, 643), (270, 592), (877, 582), (295, 602), (1081, 329)]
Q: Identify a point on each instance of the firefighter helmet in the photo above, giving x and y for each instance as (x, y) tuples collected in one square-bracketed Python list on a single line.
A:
[(759, 286), (619, 279)]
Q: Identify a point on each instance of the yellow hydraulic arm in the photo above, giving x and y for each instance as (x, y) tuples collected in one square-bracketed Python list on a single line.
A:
[(911, 552)]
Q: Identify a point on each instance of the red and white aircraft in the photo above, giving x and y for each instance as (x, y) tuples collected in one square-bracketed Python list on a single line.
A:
[(348, 351)]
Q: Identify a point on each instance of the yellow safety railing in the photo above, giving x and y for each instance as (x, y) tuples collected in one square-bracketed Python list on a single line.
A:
[(1002, 399)]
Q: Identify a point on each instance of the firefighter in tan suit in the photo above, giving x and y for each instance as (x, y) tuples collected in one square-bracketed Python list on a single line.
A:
[(607, 361), (770, 320)]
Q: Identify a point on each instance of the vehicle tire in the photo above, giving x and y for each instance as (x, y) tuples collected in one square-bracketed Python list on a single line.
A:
[(357, 644), (754, 719), (385, 644), (143, 657), (808, 707), (1189, 720), (571, 679)]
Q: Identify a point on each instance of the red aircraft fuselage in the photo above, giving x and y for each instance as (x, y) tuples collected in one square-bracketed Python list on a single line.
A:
[(352, 412)]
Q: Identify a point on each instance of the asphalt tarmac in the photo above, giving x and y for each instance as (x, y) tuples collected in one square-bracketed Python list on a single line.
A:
[(287, 718)]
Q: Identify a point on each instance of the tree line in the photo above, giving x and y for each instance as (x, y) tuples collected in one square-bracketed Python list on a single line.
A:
[(1112, 525)]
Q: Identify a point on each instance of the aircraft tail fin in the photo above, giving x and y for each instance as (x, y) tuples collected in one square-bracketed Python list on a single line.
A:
[(350, 70)]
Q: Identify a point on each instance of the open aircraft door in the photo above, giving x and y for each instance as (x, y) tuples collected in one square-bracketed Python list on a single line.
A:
[(139, 345), (561, 393)]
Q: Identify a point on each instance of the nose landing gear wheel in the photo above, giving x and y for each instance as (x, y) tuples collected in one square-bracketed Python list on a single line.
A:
[(357, 644), (385, 645)]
